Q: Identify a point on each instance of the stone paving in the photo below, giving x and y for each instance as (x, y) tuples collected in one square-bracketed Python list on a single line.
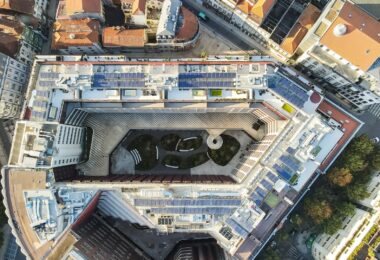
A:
[(110, 129)]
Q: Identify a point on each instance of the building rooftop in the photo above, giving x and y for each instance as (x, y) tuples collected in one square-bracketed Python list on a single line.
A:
[(168, 19), (372, 7), (21, 6), (121, 37), (307, 19), (261, 8), (83, 6), (240, 208), (139, 7), (10, 34), (81, 32), (361, 30), (190, 25)]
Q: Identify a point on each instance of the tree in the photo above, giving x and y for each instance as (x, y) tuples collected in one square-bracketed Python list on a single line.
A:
[(353, 162), (331, 225), (361, 146), (375, 159), (357, 191), (270, 253), (296, 220), (340, 177), (318, 210), (345, 209)]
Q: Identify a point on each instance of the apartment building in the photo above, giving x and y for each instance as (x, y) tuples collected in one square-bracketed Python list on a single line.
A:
[(13, 79), (341, 244), (349, 69), (35, 8), (314, 34), (81, 36)]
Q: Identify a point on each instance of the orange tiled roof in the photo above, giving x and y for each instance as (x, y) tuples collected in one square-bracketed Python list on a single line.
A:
[(189, 27), (116, 37), (261, 9), (360, 45), (10, 34), (245, 6), (83, 6), (82, 32), (306, 20), (138, 7)]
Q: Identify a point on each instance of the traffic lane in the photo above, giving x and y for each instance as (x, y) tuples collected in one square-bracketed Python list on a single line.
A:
[(217, 26), (227, 34)]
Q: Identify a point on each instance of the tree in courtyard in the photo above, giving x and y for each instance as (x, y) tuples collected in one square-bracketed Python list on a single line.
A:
[(318, 210), (345, 209), (331, 225), (340, 177), (375, 159), (361, 146), (357, 191), (353, 162)]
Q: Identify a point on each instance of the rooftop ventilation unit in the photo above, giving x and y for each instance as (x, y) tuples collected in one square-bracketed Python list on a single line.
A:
[(340, 30)]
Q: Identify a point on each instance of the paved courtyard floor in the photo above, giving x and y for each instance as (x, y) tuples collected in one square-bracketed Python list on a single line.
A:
[(110, 129)]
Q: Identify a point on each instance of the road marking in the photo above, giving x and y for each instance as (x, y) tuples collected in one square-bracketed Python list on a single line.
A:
[(375, 110)]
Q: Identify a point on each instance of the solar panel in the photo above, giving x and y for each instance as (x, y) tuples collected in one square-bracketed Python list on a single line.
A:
[(237, 228)]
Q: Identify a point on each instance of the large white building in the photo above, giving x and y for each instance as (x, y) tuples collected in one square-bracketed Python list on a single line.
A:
[(238, 204), (46, 145), (13, 81)]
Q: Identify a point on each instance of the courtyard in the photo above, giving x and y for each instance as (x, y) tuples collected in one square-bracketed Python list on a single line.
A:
[(161, 152)]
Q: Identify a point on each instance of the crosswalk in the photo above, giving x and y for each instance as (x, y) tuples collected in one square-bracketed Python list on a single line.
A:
[(375, 110)]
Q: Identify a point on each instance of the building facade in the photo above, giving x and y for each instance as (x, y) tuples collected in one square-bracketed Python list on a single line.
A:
[(13, 81)]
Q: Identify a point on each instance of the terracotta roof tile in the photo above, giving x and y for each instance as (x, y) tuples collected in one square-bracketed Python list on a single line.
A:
[(190, 26), (306, 20), (360, 44), (83, 6), (10, 34), (82, 32), (245, 6), (138, 7), (116, 37), (261, 9)]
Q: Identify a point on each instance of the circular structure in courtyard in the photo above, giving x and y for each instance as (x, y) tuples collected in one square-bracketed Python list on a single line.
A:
[(214, 142), (315, 98)]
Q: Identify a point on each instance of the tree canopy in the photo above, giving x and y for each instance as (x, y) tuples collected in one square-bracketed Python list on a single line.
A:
[(340, 177), (357, 191), (354, 162), (375, 159), (318, 210), (361, 145)]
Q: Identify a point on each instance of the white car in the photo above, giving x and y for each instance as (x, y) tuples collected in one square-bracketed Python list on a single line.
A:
[(375, 140)]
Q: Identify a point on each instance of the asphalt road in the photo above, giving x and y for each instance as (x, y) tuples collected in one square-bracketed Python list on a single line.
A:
[(221, 27)]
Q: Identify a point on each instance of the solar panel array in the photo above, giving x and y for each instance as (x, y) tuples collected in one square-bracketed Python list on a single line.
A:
[(37, 115), (237, 228), (185, 202), (206, 80), (186, 210), (49, 75), (266, 184), (272, 177), (118, 80), (283, 173), (288, 90), (47, 83), (290, 162)]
